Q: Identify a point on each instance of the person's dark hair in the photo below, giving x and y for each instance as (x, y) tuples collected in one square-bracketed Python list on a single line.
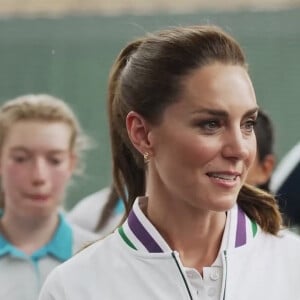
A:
[(147, 77), (264, 132)]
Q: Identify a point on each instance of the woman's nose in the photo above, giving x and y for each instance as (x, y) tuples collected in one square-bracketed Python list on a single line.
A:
[(237, 146)]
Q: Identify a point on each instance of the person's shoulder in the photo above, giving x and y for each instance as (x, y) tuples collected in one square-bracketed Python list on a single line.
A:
[(93, 200), (95, 197), (84, 272), (287, 164), (82, 237), (87, 211), (90, 254), (289, 236), (66, 277), (285, 242)]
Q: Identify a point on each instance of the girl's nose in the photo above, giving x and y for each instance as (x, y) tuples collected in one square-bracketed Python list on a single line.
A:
[(39, 171)]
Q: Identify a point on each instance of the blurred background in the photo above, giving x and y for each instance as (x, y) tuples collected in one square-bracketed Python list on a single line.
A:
[(65, 48)]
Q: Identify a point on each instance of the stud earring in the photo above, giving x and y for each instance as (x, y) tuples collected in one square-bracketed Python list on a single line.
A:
[(146, 157)]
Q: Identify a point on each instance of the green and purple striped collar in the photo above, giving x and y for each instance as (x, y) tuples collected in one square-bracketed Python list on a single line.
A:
[(138, 233)]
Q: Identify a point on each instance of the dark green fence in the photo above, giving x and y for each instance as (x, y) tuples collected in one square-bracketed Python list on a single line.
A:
[(70, 58)]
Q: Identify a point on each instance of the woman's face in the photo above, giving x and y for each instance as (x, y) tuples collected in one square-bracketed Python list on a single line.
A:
[(202, 150), (35, 165)]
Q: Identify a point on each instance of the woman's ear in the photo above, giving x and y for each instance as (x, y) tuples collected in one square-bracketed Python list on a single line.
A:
[(138, 130)]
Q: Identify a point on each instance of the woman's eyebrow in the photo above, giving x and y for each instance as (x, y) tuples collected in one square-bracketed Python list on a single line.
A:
[(213, 112), (251, 112), (223, 113)]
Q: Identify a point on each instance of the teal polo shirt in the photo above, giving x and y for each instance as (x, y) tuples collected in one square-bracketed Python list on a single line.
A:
[(22, 275), (119, 208)]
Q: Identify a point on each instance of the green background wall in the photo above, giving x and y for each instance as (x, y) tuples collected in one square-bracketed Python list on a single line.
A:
[(70, 57)]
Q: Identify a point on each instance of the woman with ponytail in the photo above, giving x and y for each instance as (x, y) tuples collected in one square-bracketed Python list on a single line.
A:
[(182, 113)]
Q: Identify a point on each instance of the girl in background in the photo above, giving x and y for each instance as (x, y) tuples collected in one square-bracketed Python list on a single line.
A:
[(41, 143)]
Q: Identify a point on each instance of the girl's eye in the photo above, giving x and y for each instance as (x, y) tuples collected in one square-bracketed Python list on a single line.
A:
[(20, 159), (55, 161)]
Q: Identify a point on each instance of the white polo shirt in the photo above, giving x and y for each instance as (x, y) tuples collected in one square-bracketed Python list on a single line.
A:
[(209, 285), (21, 275)]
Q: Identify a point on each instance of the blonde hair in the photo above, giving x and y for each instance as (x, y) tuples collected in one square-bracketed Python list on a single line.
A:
[(44, 108)]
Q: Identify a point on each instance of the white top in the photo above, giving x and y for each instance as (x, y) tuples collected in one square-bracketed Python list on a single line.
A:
[(22, 275), (86, 213), (135, 263), (285, 168), (209, 286)]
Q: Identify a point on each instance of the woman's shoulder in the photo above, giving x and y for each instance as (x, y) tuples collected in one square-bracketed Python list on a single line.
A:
[(79, 270), (82, 237), (93, 251), (285, 243), (289, 237), (93, 255)]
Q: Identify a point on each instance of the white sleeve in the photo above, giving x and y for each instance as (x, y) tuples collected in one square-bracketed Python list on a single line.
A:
[(285, 167), (86, 212), (53, 288)]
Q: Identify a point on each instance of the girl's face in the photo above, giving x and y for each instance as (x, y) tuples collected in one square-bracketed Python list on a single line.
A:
[(202, 150), (35, 166)]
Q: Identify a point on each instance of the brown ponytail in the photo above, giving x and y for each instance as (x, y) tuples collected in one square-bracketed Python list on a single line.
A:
[(261, 207), (128, 171), (108, 208)]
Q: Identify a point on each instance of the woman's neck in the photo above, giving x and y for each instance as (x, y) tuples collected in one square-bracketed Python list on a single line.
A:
[(28, 234), (195, 234)]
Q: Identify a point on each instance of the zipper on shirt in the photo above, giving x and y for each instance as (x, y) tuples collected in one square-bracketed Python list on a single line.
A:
[(224, 281), (182, 276)]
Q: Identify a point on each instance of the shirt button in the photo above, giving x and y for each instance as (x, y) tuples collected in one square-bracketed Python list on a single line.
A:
[(190, 274), (214, 275), (211, 292)]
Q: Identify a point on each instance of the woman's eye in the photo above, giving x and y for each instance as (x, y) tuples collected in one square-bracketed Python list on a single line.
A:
[(210, 125), (249, 125)]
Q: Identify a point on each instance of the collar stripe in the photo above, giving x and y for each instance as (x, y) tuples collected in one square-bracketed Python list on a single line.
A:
[(139, 234), (142, 234), (125, 238), (240, 238), (254, 228)]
